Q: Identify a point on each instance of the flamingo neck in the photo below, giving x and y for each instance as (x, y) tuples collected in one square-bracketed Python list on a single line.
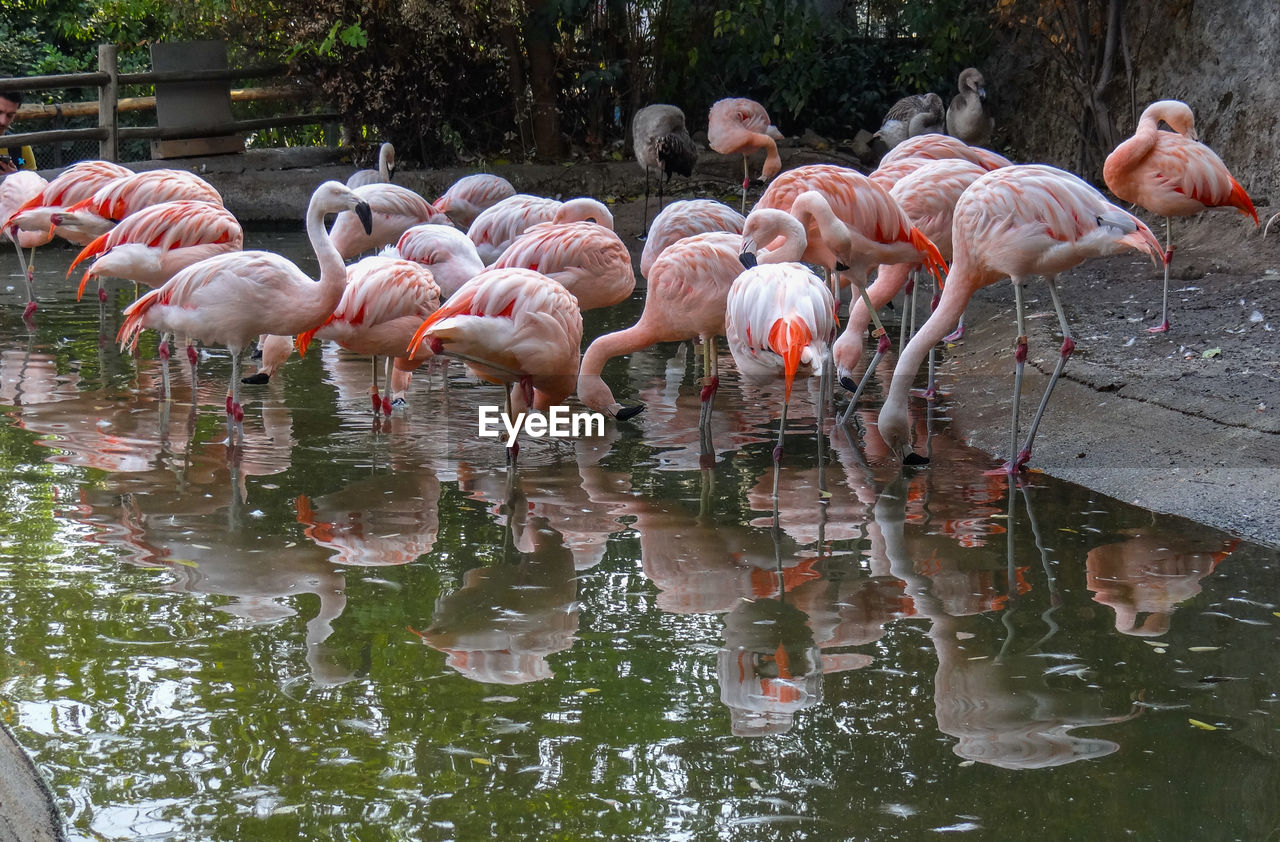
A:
[(333, 272)]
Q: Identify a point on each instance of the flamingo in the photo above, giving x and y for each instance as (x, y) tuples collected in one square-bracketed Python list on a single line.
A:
[(497, 227), (661, 142), (1014, 222), (967, 117), (687, 287), (779, 320), (684, 219), (152, 245), (928, 197), (16, 190), (75, 183), (469, 195), (512, 326), (587, 259), (395, 210), (384, 174), (231, 299), (118, 198), (939, 146), (911, 116), (1172, 174), (385, 300), (741, 126), (447, 252)]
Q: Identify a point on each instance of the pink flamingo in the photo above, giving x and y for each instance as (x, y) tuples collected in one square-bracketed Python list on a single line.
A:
[(780, 320), (76, 183), (684, 219), (385, 300), (511, 326), (128, 194), (447, 252), (1014, 222), (498, 226), (687, 287), (741, 126), (939, 146), (231, 299), (395, 210), (1172, 174), (384, 174), (587, 259), (928, 197), (467, 197), (152, 245), (16, 190)]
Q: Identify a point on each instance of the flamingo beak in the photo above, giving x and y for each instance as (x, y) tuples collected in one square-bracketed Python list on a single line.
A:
[(365, 214)]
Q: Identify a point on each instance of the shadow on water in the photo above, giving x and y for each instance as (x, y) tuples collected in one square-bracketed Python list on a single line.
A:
[(350, 622)]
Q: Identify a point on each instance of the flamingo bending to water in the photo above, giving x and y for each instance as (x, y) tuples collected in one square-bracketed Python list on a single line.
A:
[(684, 219), (113, 201), (447, 252), (470, 195), (76, 183), (1014, 222), (587, 259), (232, 299), (1172, 174), (17, 189)]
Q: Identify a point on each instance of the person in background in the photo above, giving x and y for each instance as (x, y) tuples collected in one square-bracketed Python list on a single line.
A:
[(10, 102)]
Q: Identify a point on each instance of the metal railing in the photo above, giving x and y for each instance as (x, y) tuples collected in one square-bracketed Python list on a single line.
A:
[(108, 80)]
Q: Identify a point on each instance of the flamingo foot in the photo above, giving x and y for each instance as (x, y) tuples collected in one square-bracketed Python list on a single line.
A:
[(931, 393), (28, 310), (1160, 328)]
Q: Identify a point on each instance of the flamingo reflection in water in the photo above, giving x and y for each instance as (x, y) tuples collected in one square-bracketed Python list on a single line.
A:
[(1144, 577), (508, 618), (380, 521), (1007, 710)]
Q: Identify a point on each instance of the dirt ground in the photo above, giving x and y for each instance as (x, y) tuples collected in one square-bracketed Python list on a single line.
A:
[(1185, 422)]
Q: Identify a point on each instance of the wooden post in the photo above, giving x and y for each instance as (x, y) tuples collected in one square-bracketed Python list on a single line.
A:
[(108, 93)]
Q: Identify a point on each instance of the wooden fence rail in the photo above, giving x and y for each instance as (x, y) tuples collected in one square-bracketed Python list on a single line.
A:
[(108, 133)]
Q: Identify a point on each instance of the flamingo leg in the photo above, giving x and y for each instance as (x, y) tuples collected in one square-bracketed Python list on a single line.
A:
[(1068, 345), (882, 347), (1020, 361), (746, 179), (235, 412), (777, 451), (163, 351), (27, 275), (373, 390), (711, 383), (644, 229), (908, 308), (1163, 327), (931, 390), (386, 399)]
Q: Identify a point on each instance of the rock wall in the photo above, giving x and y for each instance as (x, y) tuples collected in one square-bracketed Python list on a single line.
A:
[(1218, 56)]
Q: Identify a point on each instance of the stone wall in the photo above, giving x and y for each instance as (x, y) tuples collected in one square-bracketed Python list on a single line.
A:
[(1221, 57)]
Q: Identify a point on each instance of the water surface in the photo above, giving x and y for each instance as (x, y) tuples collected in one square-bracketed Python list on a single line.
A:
[(352, 628)]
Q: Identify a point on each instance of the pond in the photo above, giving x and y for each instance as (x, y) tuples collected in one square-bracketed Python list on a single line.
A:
[(351, 628)]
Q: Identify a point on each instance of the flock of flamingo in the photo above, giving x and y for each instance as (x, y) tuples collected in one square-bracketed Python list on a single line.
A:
[(499, 279)]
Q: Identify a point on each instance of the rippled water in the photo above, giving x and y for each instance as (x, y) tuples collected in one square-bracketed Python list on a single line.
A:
[(352, 629)]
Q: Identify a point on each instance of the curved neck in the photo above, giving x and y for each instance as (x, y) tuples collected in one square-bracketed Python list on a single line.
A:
[(333, 272)]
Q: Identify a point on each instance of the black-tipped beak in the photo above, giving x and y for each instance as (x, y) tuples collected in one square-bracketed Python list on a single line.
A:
[(629, 412), (840, 267), (747, 259), (914, 458), (391, 173), (256, 379), (849, 383), (365, 213), (982, 93)]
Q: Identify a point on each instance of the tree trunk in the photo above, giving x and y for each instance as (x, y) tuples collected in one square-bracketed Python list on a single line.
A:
[(539, 39)]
